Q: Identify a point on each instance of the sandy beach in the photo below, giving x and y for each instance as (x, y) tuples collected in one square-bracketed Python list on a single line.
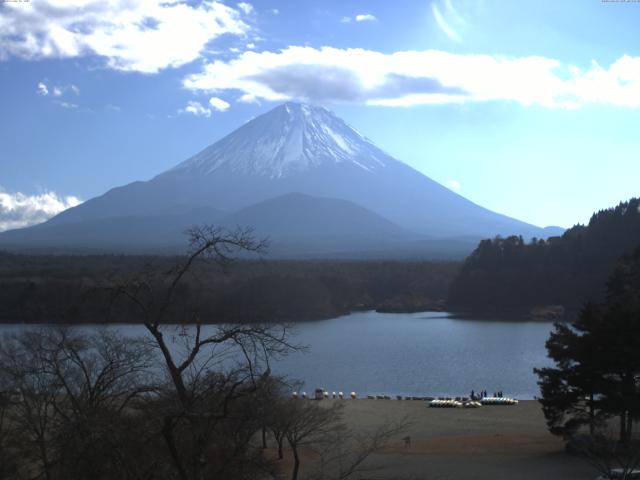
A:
[(491, 442)]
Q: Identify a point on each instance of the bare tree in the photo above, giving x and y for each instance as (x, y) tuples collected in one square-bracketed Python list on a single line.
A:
[(69, 392), (34, 418), (307, 424), (210, 369), (339, 452), (277, 422), (276, 408), (344, 453), (8, 461)]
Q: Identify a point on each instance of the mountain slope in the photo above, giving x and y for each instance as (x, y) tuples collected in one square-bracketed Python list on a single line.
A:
[(301, 225), (294, 223), (131, 234), (308, 150), (297, 216)]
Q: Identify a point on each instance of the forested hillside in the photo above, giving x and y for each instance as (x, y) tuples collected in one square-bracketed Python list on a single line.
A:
[(509, 274), (73, 289)]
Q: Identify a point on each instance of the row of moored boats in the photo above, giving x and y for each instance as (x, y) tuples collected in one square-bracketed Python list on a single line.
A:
[(465, 403)]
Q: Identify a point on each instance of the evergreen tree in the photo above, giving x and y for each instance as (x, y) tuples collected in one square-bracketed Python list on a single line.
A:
[(570, 391), (597, 360)]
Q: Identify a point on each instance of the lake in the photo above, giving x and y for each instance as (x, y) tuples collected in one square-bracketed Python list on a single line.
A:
[(412, 354)]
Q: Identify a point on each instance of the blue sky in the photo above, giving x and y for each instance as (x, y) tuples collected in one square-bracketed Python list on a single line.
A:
[(528, 108)]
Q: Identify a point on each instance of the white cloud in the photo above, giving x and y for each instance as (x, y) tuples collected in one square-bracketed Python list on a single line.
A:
[(199, 110), (405, 78), (345, 20), (365, 17), (18, 210), (275, 11), (247, 8), (196, 108), (454, 184), (219, 104), (248, 98), (56, 90), (251, 46), (132, 35), (42, 89)]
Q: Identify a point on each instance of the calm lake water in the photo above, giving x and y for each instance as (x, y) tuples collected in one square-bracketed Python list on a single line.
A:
[(412, 354)]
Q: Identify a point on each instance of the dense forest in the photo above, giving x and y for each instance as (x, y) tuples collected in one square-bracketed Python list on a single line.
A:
[(73, 289), (505, 275)]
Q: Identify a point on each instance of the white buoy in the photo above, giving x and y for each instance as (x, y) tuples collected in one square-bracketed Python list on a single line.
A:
[(353, 395)]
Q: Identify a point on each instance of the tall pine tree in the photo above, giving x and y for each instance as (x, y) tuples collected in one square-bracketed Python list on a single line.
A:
[(597, 360)]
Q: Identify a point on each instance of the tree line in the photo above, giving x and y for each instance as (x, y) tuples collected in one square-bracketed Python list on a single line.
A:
[(64, 289), (511, 274)]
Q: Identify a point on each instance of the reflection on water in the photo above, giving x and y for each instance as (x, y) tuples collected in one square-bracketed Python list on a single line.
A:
[(411, 354)]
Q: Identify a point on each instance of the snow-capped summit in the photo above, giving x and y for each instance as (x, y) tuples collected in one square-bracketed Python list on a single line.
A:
[(289, 139)]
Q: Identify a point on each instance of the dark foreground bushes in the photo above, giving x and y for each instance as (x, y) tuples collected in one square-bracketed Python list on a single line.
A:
[(187, 401), (103, 406)]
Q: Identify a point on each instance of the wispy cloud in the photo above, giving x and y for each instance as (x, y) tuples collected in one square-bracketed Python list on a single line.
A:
[(69, 105), (195, 108), (56, 90), (247, 8), (345, 20), (18, 210), (407, 78), (133, 35), (444, 26), (59, 92)]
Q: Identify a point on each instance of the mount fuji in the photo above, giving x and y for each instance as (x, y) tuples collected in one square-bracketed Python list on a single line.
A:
[(298, 174)]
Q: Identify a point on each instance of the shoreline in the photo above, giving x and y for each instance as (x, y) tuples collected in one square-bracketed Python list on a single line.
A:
[(509, 317)]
